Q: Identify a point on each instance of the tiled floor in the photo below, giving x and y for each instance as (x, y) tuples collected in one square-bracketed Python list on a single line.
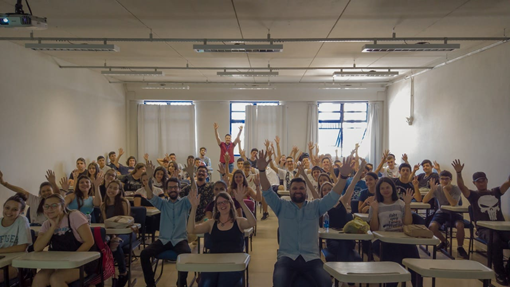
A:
[(263, 258)]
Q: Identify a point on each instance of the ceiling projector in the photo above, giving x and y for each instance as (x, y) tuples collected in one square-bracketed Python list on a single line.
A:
[(23, 21)]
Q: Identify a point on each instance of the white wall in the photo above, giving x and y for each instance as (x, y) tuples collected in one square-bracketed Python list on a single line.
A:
[(49, 117), (462, 111), (213, 105)]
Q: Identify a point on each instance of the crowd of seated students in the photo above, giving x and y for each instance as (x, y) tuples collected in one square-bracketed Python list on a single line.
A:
[(222, 210)]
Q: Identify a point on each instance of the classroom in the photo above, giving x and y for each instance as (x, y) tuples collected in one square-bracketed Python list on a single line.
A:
[(308, 140)]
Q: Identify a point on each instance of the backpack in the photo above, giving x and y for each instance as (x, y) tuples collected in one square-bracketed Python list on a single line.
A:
[(106, 257)]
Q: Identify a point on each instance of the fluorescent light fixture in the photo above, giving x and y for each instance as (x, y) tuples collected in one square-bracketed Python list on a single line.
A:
[(342, 88), (256, 88), (73, 47), (247, 74), (133, 73), (238, 48), (409, 47), (365, 74), (165, 88)]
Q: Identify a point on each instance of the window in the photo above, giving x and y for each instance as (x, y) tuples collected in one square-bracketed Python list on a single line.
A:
[(238, 117), (341, 126), (174, 103)]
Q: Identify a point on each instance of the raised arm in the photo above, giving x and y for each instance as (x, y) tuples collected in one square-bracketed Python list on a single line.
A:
[(346, 198), (405, 158), (242, 153), (238, 138), (303, 174), (345, 171), (97, 197), (437, 167), (460, 181), (250, 221), (192, 227), (430, 194), (278, 150), (50, 177), (504, 187), (121, 152), (261, 166), (383, 161), (14, 188), (217, 134), (415, 169), (374, 215), (416, 186)]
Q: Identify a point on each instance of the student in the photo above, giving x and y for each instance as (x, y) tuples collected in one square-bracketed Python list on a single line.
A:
[(389, 213), (227, 146), (367, 195), (286, 174), (46, 189), (205, 189), (101, 161), (148, 187), (114, 162), (172, 236), (311, 191), (221, 186), (360, 185), (86, 195), (109, 176), (115, 204), (392, 170), (239, 180), (15, 233), (424, 178), (131, 163), (403, 183), (174, 170), (486, 206), (446, 194), (133, 181), (80, 170), (344, 250), (205, 159), (226, 232), (298, 222), (159, 177), (93, 170), (64, 230)]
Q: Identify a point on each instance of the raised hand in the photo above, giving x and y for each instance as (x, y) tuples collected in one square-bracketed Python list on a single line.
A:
[(457, 166), (385, 155), (347, 167), (50, 176), (146, 156), (277, 140), (190, 168), (240, 128), (2, 182), (295, 149), (270, 153), (437, 166), (99, 179), (311, 145), (256, 179), (64, 183), (415, 181), (167, 157), (356, 146), (216, 126), (374, 204), (121, 151), (75, 174), (266, 144), (149, 168), (301, 169), (432, 183), (416, 167), (408, 196), (240, 193), (404, 157), (242, 153), (227, 158), (221, 168), (261, 160), (194, 198)]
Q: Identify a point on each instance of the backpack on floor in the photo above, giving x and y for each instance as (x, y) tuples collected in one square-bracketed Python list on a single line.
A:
[(106, 257)]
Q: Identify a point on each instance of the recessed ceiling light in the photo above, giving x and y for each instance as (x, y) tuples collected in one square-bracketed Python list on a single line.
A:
[(409, 47), (239, 48), (133, 73), (165, 88), (247, 74), (73, 47), (365, 74)]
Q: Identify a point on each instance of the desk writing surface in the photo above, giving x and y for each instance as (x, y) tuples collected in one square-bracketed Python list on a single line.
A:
[(340, 235), (495, 225), (402, 238), (7, 258), (219, 262), (55, 259)]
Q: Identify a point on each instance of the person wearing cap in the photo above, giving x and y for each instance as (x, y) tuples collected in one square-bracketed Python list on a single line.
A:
[(486, 205)]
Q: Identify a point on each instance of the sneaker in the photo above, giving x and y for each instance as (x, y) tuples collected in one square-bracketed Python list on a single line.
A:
[(501, 279), (443, 245), (123, 279), (461, 252), (265, 216)]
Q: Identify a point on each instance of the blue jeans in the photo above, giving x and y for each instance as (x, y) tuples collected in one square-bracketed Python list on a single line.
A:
[(221, 279), (311, 273), (231, 167), (118, 255)]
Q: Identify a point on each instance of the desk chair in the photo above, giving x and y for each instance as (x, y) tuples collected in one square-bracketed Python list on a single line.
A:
[(140, 216), (448, 229), (168, 255), (98, 276)]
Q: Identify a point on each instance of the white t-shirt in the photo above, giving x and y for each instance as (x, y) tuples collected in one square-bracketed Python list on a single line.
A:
[(105, 169), (155, 191), (391, 173), (33, 201), (16, 234), (250, 179), (287, 176), (391, 216), (272, 176)]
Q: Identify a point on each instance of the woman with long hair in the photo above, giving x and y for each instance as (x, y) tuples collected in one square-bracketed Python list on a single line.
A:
[(65, 230), (14, 230), (109, 176), (93, 170), (239, 180), (133, 181), (115, 204), (46, 189), (159, 177), (226, 231), (86, 195)]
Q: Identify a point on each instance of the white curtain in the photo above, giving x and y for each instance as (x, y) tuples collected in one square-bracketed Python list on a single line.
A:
[(372, 144), (312, 127), (264, 122), (166, 129)]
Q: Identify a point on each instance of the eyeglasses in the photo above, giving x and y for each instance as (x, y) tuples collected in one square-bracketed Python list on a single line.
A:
[(110, 175), (173, 187), (220, 189), (51, 206), (222, 202)]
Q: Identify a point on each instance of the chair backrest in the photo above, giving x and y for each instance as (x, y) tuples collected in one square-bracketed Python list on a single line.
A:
[(27, 214), (354, 206), (470, 211), (139, 215)]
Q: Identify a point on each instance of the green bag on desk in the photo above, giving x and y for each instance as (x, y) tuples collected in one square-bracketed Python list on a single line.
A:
[(357, 225)]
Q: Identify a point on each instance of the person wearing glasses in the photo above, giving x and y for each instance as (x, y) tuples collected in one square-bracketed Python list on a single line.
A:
[(65, 230), (46, 189)]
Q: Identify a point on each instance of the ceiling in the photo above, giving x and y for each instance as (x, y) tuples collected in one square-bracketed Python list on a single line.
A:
[(244, 19)]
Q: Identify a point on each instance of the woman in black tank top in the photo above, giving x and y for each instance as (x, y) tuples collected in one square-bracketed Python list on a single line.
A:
[(226, 232)]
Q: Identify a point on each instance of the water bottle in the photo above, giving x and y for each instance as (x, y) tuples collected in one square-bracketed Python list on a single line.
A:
[(326, 221), (89, 218)]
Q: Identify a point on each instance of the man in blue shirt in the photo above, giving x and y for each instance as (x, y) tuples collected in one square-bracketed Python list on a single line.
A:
[(298, 221), (172, 230)]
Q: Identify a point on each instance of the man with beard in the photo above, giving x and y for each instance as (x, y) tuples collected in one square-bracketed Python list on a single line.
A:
[(298, 221), (172, 228), (205, 189)]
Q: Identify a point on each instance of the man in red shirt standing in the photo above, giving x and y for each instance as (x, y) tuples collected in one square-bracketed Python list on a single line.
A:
[(227, 146)]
